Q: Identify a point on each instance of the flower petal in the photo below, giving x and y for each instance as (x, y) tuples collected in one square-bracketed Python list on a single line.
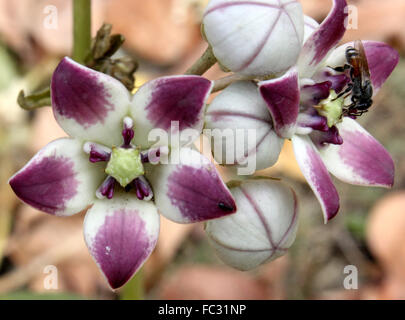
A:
[(338, 81), (282, 97), (261, 230), (323, 40), (382, 60), (87, 104), (121, 233), (330, 136), (360, 160), (310, 25), (312, 94), (313, 121), (316, 175), (161, 101), (59, 179), (232, 119), (190, 189)]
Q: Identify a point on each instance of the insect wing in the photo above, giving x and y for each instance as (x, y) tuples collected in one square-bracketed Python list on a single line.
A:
[(362, 63)]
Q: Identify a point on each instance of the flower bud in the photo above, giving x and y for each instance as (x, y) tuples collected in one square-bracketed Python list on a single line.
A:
[(241, 128), (310, 25), (263, 227), (254, 38)]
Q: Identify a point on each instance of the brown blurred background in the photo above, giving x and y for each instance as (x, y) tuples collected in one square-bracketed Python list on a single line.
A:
[(164, 35)]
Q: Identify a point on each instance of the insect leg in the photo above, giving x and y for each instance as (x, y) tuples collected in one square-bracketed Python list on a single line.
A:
[(341, 69), (347, 90)]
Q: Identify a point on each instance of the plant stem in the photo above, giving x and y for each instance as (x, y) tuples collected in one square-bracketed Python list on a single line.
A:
[(81, 29), (133, 290), (36, 100), (222, 83), (206, 61)]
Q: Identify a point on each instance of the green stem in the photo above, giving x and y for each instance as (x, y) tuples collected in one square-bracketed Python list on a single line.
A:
[(206, 61), (36, 100), (133, 290), (81, 29), (223, 83)]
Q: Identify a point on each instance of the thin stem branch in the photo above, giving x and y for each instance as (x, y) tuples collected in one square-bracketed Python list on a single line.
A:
[(134, 289), (81, 29), (222, 83), (205, 62), (35, 100)]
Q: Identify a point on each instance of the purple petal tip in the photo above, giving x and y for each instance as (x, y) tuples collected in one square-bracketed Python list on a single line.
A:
[(282, 97), (180, 98), (121, 246), (382, 60), (369, 159), (77, 94), (200, 194), (46, 184)]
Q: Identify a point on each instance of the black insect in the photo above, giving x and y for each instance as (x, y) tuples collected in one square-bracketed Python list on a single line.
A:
[(360, 86)]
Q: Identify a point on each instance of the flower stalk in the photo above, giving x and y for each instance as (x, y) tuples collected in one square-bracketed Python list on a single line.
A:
[(81, 29), (203, 64), (36, 100), (225, 82), (134, 289)]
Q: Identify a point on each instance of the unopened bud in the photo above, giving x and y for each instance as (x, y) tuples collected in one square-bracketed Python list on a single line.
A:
[(263, 227), (255, 38)]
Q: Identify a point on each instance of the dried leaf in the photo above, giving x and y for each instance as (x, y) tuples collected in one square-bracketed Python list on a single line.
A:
[(385, 232), (162, 31), (211, 283)]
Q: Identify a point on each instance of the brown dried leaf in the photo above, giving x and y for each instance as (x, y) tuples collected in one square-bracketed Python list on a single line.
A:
[(385, 237), (273, 276), (317, 9), (171, 238), (385, 233), (211, 283), (159, 30), (21, 22), (45, 129), (379, 20), (37, 234)]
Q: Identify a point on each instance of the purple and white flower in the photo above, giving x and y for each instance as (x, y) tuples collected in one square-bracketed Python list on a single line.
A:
[(254, 37), (302, 106), (304, 109), (109, 165), (262, 229)]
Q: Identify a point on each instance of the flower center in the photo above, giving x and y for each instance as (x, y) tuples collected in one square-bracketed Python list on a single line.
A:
[(331, 108), (125, 165)]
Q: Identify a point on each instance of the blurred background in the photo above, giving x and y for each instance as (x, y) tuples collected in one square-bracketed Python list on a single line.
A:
[(164, 35)]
